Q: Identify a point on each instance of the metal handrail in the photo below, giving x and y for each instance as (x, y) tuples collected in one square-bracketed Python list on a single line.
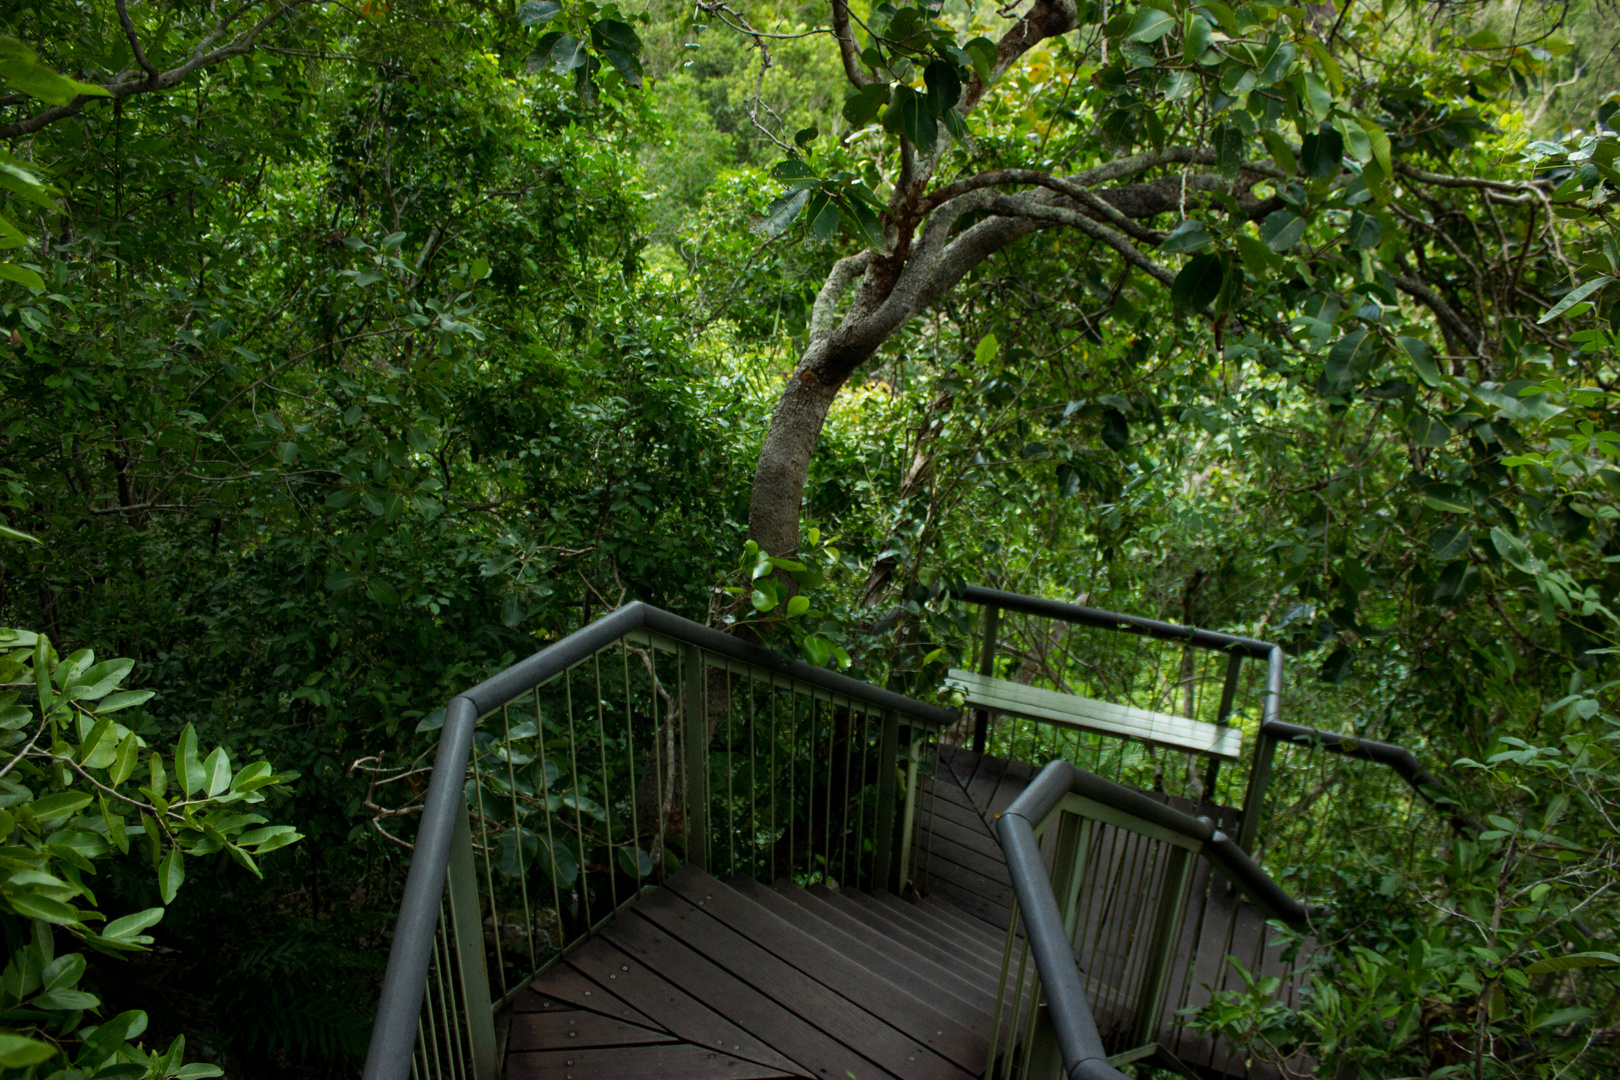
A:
[(1272, 729), (399, 1007), (1079, 1041)]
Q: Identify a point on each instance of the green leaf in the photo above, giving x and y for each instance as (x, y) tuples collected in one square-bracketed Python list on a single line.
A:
[(129, 927), (538, 12), (1572, 961), (171, 874), (1573, 297), (1380, 145), (944, 87), (218, 770), (567, 53), (634, 862), (19, 1052), (1364, 232), (1282, 230), (188, 768), (1349, 360), (1228, 140), (908, 117), (1449, 542), (797, 606), (1195, 33), (25, 277), (1198, 283), (1188, 236), (124, 699), (129, 752), (1280, 152), (782, 211), (869, 224), (984, 354), (862, 106), (762, 600), (982, 51), (1337, 666), (60, 805), (1427, 431), (1511, 548), (1422, 358), (20, 67), (1150, 24), (1322, 153), (35, 906)]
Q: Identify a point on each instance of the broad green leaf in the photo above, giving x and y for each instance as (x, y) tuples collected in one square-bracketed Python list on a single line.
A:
[(871, 228), (1449, 542), (98, 732), (1188, 236), (1364, 231), (20, 67), (1198, 283), (1322, 153), (862, 106), (1572, 961), (1195, 32), (984, 354), (567, 53), (60, 805), (187, 767), (171, 874), (1280, 152), (1348, 362), (944, 87), (34, 906), (124, 699), (1573, 297), (218, 770), (27, 278), (19, 1052), (1380, 145), (1282, 230), (1427, 431), (983, 53), (762, 600), (908, 117), (1151, 24), (1511, 548), (1422, 358), (797, 606), (782, 211), (1228, 140), (538, 12)]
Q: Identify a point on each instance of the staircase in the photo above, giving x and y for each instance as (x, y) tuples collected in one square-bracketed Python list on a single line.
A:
[(701, 980)]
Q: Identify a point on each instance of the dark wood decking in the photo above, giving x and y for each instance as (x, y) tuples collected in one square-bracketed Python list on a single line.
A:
[(701, 980), (959, 860)]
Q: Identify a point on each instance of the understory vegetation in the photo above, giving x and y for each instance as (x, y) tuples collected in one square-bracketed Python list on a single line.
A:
[(350, 352)]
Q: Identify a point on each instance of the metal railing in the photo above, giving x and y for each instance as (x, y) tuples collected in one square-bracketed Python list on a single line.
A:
[(568, 783), (1111, 946), (1184, 680)]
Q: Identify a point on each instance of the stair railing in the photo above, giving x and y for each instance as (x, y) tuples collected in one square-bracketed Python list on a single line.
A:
[(1044, 1013), (568, 783), (1270, 732)]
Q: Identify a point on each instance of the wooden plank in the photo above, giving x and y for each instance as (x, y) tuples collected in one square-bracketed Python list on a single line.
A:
[(942, 866), (943, 953), (1105, 717), (530, 1001), (576, 1030), (918, 977), (972, 923), (959, 846), (837, 1016), (944, 1033), (963, 817), (670, 1061), (675, 1011), (938, 926), (876, 943), (988, 910), (564, 983), (813, 1050)]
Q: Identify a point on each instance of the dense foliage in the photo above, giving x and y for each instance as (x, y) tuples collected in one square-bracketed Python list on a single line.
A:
[(353, 351)]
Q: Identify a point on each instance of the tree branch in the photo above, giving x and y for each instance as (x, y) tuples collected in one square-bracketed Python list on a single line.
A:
[(1012, 206), (847, 51), (152, 73)]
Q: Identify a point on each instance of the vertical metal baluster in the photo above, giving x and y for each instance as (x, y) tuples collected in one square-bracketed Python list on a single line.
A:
[(630, 760), (826, 825), (663, 754), (489, 875), (1017, 1016), (579, 816), (843, 827), (757, 859), (793, 778), (1001, 989), (427, 1032), (452, 1030), (606, 781), (517, 822), (419, 1062), (731, 769), (770, 690), (551, 839), (860, 795)]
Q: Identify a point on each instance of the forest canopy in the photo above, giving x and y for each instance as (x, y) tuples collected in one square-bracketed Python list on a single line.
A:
[(350, 352)]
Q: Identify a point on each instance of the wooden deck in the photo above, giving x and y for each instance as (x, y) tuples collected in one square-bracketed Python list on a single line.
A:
[(960, 860), (701, 980)]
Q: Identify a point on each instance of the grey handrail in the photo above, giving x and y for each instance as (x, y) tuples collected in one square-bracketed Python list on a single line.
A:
[(1084, 1057), (394, 1032), (1272, 728)]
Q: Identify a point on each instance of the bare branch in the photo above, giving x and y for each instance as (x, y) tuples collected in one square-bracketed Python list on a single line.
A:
[(1012, 206), (152, 73), (847, 51)]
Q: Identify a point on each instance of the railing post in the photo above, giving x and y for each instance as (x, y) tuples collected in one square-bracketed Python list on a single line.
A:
[(909, 824), (1265, 748), (1166, 923), (1068, 872), (1234, 666), (695, 733), (888, 762), (987, 666), (467, 925)]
